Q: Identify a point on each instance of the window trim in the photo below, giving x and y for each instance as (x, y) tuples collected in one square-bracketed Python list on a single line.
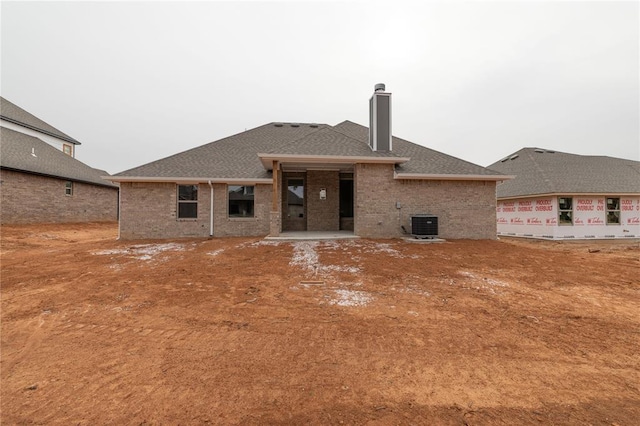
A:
[(247, 192), (561, 210), (68, 188), (179, 201), (64, 149), (607, 211)]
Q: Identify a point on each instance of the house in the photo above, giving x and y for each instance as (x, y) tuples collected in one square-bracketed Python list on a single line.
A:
[(556, 195), (41, 180), (283, 177)]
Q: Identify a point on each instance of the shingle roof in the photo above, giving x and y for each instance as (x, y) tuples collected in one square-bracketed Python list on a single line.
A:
[(542, 171), (236, 157), (423, 160), (16, 154), (13, 113), (328, 141)]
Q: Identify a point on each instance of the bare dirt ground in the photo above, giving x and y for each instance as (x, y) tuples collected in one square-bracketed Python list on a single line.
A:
[(376, 332)]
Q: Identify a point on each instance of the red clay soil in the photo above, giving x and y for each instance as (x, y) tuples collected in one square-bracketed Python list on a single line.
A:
[(375, 332)]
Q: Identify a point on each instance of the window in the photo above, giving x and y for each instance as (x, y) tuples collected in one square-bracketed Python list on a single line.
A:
[(613, 211), (67, 149), (241, 201), (565, 210), (187, 201), (68, 188)]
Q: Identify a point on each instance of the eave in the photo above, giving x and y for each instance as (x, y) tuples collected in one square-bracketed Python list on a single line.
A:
[(425, 176), (37, 129), (188, 180), (268, 159), (572, 194)]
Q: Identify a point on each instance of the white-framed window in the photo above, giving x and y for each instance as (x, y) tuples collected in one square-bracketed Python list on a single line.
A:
[(67, 149), (565, 210), (187, 201), (68, 188), (241, 200), (613, 211)]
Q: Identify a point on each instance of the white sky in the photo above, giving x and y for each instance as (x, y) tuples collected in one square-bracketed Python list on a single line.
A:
[(136, 82)]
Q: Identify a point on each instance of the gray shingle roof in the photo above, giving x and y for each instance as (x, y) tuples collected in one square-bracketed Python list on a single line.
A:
[(236, 157), (542, 171), (13, 113), (16, 154), (423, 160), (328, 141)]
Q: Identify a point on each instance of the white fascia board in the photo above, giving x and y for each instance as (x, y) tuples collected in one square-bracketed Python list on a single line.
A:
[(420, 176), (21, 127), (188, 180), (267, 159), (572, 194)]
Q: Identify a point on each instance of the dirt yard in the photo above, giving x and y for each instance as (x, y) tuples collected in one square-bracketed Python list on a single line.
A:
[(366, 332)]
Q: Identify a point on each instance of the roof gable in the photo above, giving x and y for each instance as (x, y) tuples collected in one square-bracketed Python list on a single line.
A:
[(29, 154), (13, 113), (542, 171)]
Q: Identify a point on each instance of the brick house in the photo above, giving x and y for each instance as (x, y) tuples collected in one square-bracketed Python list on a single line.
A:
[(284, 177), (556, 195), (41, 180)]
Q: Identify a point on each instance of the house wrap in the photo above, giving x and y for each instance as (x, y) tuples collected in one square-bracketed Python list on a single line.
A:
[(557, 195)]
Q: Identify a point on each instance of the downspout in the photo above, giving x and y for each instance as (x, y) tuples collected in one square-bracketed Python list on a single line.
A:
[(211, 209)]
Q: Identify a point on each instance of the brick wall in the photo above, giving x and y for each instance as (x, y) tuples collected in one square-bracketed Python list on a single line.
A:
[(323, 215), (224, 226), (149, 210), (28, 198), (465, 209)]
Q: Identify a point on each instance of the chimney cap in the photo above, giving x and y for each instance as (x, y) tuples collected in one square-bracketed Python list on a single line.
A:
[(380, 87)]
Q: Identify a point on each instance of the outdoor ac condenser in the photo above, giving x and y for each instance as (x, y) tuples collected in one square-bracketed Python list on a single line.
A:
[(424, 226)]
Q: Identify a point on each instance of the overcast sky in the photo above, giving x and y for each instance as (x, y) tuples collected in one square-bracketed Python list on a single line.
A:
[(138, 81)]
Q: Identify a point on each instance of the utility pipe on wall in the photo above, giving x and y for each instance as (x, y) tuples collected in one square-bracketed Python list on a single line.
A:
[(211, 210)]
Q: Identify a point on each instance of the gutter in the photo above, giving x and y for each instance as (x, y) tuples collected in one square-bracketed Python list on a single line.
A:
[(417, 176), (188, 180), (569, 194)]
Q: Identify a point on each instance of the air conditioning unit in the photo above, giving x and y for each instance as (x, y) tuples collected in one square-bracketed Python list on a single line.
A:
[(424, 226)]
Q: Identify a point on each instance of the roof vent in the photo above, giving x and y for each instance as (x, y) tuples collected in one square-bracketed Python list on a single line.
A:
[(295, 125), (538, 150), (313, 125), (380, 87), (277, 124), (550, 151), (504, 159), (513, 157)]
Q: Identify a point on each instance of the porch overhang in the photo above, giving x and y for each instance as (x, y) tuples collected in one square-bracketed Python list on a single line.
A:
[(324, 162)]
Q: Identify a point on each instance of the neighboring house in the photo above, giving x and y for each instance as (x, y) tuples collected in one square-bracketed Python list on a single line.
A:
[(41, 181), (283, 177), (556, 195)]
